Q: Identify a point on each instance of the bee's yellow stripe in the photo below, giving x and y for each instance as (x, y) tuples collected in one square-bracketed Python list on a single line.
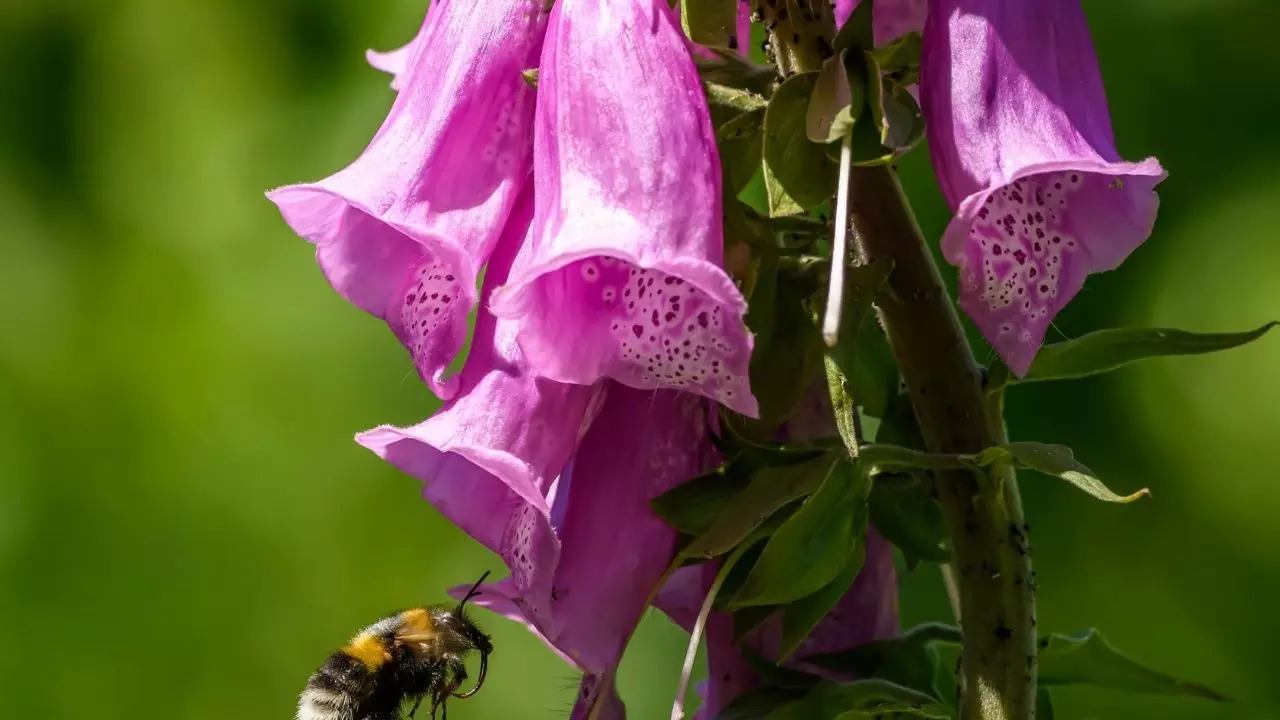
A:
[(368, 649)]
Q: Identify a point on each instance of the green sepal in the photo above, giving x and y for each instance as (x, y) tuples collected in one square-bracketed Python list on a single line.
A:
[(726, 103), (812, 547), (798, 175), (837, 100), (1087, 658), (910, 659), (1106, 350), (733, 69), (530, 77)]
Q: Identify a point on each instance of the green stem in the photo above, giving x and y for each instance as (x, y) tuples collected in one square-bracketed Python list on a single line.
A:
[(983, 512)]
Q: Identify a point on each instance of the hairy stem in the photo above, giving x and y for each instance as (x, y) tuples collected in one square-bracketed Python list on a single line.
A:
[(983, 513)]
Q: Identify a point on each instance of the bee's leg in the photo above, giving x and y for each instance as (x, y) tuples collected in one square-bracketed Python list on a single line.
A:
[(414, 711)]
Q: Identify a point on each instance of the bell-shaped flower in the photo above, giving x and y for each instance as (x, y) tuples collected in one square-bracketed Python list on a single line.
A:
[(403, 231), (626, 280), (868, 611), (489, 459), (890, 19), (613, 550), (1022, 146)]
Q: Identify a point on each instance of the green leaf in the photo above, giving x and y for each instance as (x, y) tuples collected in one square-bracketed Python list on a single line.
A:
[(1088, 659), (1059, 461), (727, 103), (801, 616), (1044, 704), (797, 173), (836, 102), (813, 546), (693, 506), (788, 352), (909, 660), (1106, 350), (711, 22), (771, 488), (741, 142), (865, 699), (877, 373), (910, 519)]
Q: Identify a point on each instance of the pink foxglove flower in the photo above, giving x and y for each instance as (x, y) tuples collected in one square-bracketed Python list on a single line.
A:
[(489, 459), (890, 19), (613, 549), (403, 231), (1022, 145), (869, 611), (626, 279)]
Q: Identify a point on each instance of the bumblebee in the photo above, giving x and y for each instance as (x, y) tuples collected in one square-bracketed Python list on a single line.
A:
[(412, 655)]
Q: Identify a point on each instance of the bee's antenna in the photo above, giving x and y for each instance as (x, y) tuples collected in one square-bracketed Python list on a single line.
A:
[(474, 591)]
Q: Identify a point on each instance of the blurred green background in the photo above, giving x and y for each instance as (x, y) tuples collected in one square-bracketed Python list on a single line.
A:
[(187, 529)]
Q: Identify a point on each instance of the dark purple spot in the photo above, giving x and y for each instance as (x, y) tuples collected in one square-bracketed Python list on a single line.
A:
[(637, 330), (1044, 288), (997, 250), (702, 319), (1020, 256), (654, 318), (670, 316)]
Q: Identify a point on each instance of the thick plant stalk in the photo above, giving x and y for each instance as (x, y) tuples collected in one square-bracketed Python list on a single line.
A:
[(992, 562), (983, 513)]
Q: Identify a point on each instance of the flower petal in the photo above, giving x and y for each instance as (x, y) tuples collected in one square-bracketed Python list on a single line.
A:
[(403, 230), (626, 278), (392, 62), (1022, 145), (613, 548), (489, 458), (890, 19)]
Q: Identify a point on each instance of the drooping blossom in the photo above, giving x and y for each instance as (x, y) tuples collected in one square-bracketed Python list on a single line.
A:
[(890, 19), (625, 279), (490, 458), (1022, 146), (868, 611), (613, 550), (403, 231)]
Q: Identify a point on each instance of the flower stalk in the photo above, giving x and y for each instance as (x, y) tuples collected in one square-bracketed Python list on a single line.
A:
[(983, 512)]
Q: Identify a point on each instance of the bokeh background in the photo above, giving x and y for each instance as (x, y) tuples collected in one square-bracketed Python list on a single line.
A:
[(187, 529)]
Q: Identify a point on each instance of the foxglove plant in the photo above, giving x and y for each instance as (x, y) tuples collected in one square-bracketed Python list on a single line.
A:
[(602, 437)]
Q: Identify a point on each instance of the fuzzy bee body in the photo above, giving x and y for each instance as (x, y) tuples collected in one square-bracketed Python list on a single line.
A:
[(414, 655)]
